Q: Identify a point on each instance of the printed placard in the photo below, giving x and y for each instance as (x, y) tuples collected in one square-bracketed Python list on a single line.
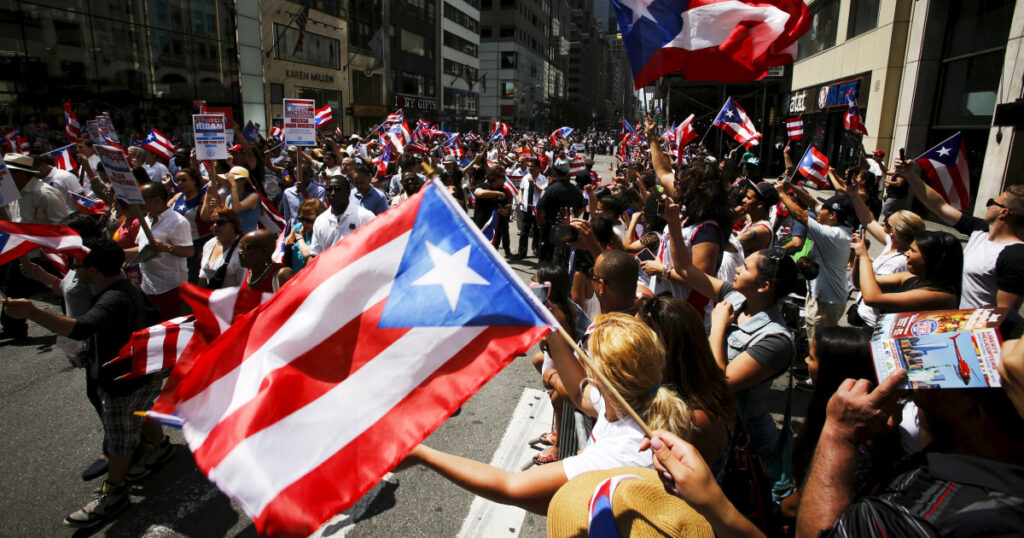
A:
[(8, 190), (300, 122), (107, 127), (95, 133), (115, 162), (211, 140)]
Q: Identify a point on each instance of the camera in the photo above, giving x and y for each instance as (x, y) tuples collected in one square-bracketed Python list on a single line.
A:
[(562, 233)]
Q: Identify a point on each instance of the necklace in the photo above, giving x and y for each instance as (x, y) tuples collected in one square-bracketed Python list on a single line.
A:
[(263, 274)]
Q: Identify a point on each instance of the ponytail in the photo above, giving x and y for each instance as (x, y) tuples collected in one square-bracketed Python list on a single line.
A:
[(666, 411)]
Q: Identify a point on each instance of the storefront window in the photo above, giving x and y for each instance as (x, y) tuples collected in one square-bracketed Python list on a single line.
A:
[(317, 50), (863, 17), (822, 34)]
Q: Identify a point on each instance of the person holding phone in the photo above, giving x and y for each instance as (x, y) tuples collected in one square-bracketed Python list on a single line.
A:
[(561, 201)]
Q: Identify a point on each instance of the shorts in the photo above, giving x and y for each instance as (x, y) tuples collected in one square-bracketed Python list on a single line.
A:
[(121, 427), (820, 315)]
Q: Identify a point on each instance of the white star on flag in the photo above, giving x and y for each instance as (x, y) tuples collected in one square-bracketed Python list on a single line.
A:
[(944, 152), (451, 271), (639, 9), (728, 113)]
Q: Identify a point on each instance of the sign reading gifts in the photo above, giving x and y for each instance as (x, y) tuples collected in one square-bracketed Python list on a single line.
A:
[(115, 163), (211, 137), (8, 190), (300, 122)]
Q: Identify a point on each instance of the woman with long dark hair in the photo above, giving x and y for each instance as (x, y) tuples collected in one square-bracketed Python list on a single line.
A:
[(935, 266)]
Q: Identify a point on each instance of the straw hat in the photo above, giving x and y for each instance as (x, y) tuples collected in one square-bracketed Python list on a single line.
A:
[(236, 171), (21, 163), (641, 507)]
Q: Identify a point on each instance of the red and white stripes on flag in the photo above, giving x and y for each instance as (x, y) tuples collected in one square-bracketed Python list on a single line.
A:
[(795, 128), (276, 131), (158, 144), (945, 166), (158, 347), (62, 159), (684, 134), (72, 128), (19, 238), (735, 121), (270, 219), (577, 165), (814, 166), (323, 116)]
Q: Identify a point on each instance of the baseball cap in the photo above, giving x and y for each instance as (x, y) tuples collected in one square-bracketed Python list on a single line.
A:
[(765, 191), (840, 205)]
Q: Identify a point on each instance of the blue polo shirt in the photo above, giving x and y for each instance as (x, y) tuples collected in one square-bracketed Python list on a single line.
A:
[(373, 200)]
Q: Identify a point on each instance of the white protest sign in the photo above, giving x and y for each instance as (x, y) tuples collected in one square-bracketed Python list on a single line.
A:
[(115, 163), (107, 127), (211, 137), (8, 190), (95, 133), (300, 122)]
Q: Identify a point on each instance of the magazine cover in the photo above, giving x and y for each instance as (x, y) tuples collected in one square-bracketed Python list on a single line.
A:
[(953, 349)]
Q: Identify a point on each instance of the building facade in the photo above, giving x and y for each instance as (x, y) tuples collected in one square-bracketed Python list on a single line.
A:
[(513, 51), (367, 76), (460, 63), (413, 60)]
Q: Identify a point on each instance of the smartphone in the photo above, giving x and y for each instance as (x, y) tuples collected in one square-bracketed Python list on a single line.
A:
[(903, 154), (563, 233), (645, 255), (661, 205), (541, 290)]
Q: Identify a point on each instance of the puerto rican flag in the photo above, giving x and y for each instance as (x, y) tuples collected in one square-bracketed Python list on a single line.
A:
[(852, 119), (395, 117), (600, 516), (19, 238), (323, 116), (62, 158), (734, 120), (560, 133), (251, 132), (719, 40), (627, 131), (577, 165), (452, 146), (416, 147), (11, 140), (276, 132), (413, 313), (499, 130), (945, 166), (669, 135), (381, 162), (684, 134), (72, 128), (814, 166), (158, 144), (88, 205), (795, 128), (270, 218), (490, 229), (512, 185)]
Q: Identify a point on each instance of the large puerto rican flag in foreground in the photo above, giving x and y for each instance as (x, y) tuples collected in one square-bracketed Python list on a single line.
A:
[(302, 405), (720, 40)]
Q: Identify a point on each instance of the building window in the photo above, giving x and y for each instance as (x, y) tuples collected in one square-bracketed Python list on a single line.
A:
[(508, 89), (365, 17), (508, 3), (822, 34), (461, 102), (506, 31), (485, 32), (321, 96), (316, 49), (863, 17), (455, 69), (455, 42), (461, 18), (367, 90), (276, 93), (485, 4), (412, 84), (413, 43)]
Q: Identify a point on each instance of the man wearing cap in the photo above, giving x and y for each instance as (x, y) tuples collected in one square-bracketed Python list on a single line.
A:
[(365, 195), (157, 172), (560, 196), (40, 204), (826, 300), (166, 269), (343, 218), (758, 233)]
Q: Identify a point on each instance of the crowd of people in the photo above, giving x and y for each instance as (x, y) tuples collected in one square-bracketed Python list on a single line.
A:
[(674, 275)]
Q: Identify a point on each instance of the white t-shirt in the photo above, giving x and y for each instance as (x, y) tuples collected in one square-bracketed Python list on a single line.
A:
[(611, 444), (832, 252), (541, 183), (235, 272), (329, 228), (157, 171), (980, 282), (66, 183), (166, 271), (887, 263)]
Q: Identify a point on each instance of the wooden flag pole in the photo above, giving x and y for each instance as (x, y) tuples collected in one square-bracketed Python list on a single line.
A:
[(607, 389)]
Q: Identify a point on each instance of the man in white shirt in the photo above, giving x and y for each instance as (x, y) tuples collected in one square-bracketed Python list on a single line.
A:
[(158, 173), (531, 187), (62, 180), (163, 273), (342, 219)]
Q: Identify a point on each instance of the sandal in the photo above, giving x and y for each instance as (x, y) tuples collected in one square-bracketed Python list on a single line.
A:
[(541, 458), (550, 438)]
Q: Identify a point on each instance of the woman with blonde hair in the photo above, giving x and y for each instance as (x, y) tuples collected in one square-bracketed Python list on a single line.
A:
[(631, 357)]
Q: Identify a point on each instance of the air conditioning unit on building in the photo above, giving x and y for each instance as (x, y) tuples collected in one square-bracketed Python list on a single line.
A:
[(777, 71)]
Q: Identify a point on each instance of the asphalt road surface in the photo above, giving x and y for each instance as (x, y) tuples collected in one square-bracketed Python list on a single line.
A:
[(49, 433)]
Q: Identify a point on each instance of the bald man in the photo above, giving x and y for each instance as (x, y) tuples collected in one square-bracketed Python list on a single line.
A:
[(254, 253)]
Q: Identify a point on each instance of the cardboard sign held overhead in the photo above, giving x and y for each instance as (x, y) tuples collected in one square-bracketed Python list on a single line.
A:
[(95, 133), (300, 121), (211, 140)]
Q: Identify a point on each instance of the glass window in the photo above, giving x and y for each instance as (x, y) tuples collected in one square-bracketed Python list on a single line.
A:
[(461, 18), (367, 90), (455, 42), (365, 17), (822, 34), (508, 89), (315, 49), (412, 43), (506, 31), (967, 96), (863, 17), (276, 93), (412, 83), (977, 25), (485, 32)]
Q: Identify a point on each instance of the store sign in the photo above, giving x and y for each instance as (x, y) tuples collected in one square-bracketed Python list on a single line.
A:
[(415, 103), (835, 95), (796, 102), (307, 75)]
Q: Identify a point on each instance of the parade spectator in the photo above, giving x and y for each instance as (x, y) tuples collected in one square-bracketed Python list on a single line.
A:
[(410, 186), (531, 187), (127, 225), (561, 199), (299, 242), (62, 180), (294, 196), (244, 199), (342, 219), (156, 170), (758, 232), (990, 277), (829, 231), (188, 203), (489, 195), (365, 195), (629, 354), (255, 251), (220, 266), (163, 266), (931, 282), (117, 310)]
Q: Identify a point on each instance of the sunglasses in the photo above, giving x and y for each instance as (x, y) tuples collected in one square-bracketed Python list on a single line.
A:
[(992, 202), (333, 189), (220, 222), (307, 220)]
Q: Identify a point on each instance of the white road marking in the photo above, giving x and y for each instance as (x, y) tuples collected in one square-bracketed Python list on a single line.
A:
[(531, 418)]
